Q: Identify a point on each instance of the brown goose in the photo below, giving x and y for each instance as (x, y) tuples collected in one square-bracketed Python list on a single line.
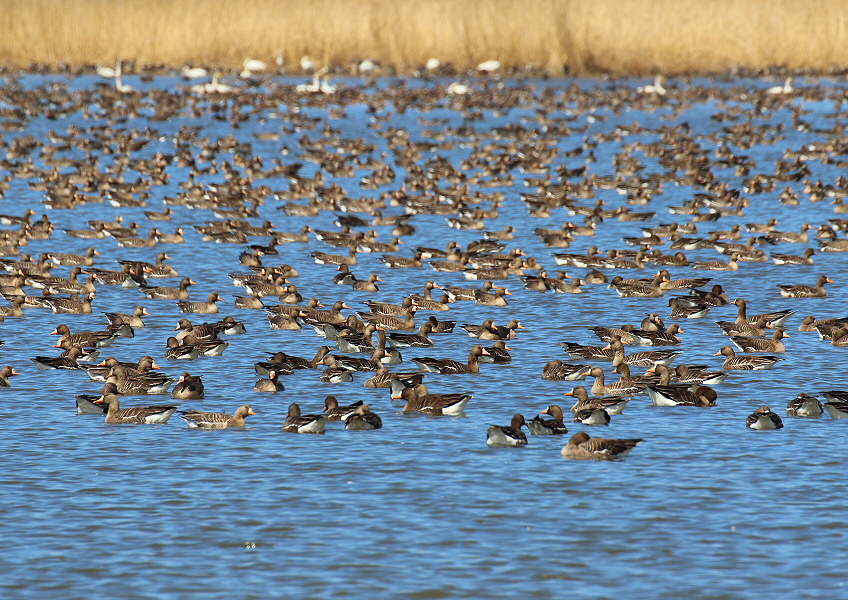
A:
[(804, 405), (612, 405), (774, 319), (646, 358), (419, 399), (169, 293), (70, 306), (493, 299), (61, 259), (682, 395), (390, 322), (806, 291), (93, 339), (794, 259), (5, 373), (556, 370), (133, 320), (764, 419), (497, 353), (507, 436), (618, 388), (581, 446), (362, 419), (208, 420), (298, 423), (412, 340), (757, 328), (745, 363), (134, 415), (335, 412), (446, 366), (271, 384), (755, 344), (210, 307), (367, 285), (188, 387), (552, 426)]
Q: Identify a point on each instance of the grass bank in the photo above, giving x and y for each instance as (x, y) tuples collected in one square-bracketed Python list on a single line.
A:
[(577, 36)]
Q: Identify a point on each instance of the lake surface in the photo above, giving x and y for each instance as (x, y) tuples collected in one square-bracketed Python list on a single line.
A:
[(423, 508)]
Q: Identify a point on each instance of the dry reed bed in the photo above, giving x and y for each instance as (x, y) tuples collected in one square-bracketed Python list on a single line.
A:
[(577, 36)]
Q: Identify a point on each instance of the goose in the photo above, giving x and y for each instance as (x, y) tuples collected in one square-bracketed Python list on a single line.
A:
[(793, 259), (774, 319), (746, 363), (188, 387), (362, 419), (335, 412), (169, 293), (806, 291), (764, 419), (196, 419), (556, 370), (582, 446), (412, 340), (641, 359), (497, 353), (446, 366), (270, 385), (837, 404), (618, 388), (133, 320), (682, 395), (804, 405), (298, 423), (612, 405), (61, 259), (208, 307), (5, 373), (134, 415), (507, 436), (552, 426), (419, 399), (755, 344)]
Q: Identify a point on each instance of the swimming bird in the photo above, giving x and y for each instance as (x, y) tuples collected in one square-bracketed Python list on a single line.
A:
[(362, 419), (746, 363), (507, 435), (134, 415), (552, 426), (806, 291), (208, 420), (804, 405), (299, 423), (763, 418), (582, 446)]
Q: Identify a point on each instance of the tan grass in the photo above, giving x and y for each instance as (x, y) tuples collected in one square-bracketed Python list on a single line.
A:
[(580, 36)]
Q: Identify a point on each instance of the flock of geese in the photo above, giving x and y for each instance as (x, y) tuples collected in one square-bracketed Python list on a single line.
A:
[(103, 168)]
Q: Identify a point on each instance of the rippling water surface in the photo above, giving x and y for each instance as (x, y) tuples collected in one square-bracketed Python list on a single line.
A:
[(423, 508)]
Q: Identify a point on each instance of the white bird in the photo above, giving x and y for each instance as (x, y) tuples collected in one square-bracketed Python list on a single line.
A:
[(786, 88), (107, 72), (457, 88), (368, 66), (307, 64), (656, 88), (432, 64), (119, 85), (489, 66), (254, 66), (213, 87), (194, 72)]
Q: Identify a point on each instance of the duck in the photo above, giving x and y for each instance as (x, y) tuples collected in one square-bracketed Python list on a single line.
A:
[(756, 344), (556, 370), (507, 436), (581, 447), (362, 419), (196, 419), (419, 399), (804, 405), (208, 307), (552, 426), (764, 419), (298, 423), (271, 384), (446, 366), (188, 387), (746, 363), (134, 415), (806, 291)]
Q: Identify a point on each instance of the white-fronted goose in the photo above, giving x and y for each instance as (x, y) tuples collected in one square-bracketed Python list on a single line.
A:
[(362, 419), (794, 259), (133, 320), (446, 366), (412, 340), (169, 293), (582, 446), (806, 291), (336, 412), (86, 402), (208, 420), (70, 306), (69, 361), (581, 352), (419, 399), (208, 307), (271, 384), (552, 426), (93, 339), (757, 344), (62, 259), (188, 387), (5, 373), (764, 419), (497, 353), (556, 370), (177, 351), (618, 388), (646, 358), (746, 363), (613, 405), (774, 319), (804, 405), (837, 404), (367, 285), (298, 423), (682, 395), (507, 436), (134, 415)]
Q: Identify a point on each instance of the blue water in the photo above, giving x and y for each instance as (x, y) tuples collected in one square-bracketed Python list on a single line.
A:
[(423, 508)]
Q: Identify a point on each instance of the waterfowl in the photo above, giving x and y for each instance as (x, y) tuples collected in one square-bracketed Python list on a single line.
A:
[(271, 384), (793, 259), (556, 370), (493, 299), (582, 446), (763, 419), (70, 361), (618, 388), (682, 395), (497, 353), (208, 420), (646, 358), (804, 405), (188, 387), (507, 436), (419, 399), (552, 426), (806, 291), (446, 366), (298, 423), (93, 339), (755, 344), (658, 338), (63, 259), (178, 351), (412, 340), (134, 415), (774, 319), (208, 307), (612, 405), (133, 320), (362, 419), (169, 293), (367, 285), (746, 363), (335, 412), (5, 373)]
